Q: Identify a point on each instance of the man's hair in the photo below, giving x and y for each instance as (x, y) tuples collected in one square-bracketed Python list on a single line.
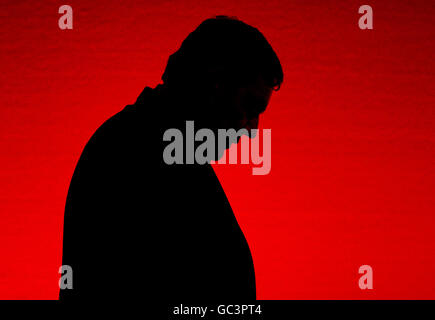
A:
[(223, 49)]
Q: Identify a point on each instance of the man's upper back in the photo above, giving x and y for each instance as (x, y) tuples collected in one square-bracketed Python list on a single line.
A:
[(134, 224)]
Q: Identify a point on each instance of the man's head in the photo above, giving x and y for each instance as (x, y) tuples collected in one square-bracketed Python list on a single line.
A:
[(224, 72)]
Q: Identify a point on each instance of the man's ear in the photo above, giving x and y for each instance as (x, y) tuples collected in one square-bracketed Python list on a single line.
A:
[(216, 90)]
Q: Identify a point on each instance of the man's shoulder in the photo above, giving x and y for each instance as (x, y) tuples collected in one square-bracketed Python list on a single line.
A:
[(134, 121), (117, 130)]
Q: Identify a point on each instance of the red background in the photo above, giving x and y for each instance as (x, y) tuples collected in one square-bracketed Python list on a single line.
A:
[(353, 134)]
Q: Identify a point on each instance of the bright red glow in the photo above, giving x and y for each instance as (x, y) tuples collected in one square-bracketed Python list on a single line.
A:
[(353, 137)]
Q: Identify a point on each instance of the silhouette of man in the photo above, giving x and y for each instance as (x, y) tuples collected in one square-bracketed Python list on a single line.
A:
[(136, 226)]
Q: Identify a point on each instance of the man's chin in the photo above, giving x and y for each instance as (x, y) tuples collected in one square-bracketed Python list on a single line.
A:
[(219, 153)]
